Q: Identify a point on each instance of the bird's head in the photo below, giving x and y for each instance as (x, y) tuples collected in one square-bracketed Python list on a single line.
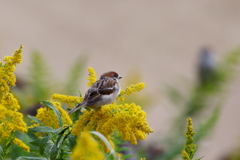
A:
[(110, 74)]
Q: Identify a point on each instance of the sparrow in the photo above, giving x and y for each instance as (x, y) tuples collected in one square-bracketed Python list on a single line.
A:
[(103, 91)]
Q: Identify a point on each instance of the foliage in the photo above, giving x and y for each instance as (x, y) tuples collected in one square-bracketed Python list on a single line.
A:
[(205, 97), (189, 148), (41, 82), (11, 120), (100, 134), (54, 134)]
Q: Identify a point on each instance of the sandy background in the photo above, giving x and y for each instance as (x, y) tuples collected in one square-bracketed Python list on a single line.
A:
[(161, 38)]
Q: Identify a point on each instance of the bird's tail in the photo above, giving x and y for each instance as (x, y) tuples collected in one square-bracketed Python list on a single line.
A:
[(76, 108)]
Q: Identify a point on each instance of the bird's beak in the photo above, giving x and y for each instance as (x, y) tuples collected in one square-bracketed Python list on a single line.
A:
[(119, 77)]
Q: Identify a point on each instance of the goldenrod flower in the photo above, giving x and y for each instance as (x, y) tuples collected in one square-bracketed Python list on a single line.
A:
[(10, 102), (189, 148), (92, 78), (185, 155), (10, 119), (6, 70), (49, 118), (19, 143), (66, 99), (129, 90), (128, 119), (87, 148)]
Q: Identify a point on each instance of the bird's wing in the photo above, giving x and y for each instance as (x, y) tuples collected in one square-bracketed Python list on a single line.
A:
[(107, 86), (101, 87)]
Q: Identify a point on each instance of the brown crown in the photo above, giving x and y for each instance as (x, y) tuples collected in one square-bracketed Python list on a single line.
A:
[(110, 74)]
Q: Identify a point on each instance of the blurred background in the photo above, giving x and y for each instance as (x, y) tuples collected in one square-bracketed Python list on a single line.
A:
[(157, 42)]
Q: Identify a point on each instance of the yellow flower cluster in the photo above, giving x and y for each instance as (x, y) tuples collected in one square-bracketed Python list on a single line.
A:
[(185, 155), (49, 118), (6, 70), (189, 133), (10, 119), (128, 119), (189, 148), (92, 78), (19, 143), (87, 148), (129, 90), (67, 99)]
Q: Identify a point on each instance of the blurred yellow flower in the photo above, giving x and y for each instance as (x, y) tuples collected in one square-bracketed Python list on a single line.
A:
[(129, 90), (10, 119), (66, 99), (6, 70), (10, 102), (87, 148), (185, 155), (92, 78), (49, 118), (190, 148), (128, 119), (19, 143), (189, 133)]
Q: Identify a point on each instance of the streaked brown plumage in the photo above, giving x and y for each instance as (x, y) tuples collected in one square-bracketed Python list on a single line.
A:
[(104, 91)]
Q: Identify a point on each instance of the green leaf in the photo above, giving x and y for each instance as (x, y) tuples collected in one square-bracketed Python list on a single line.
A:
[(32, 135), (48, 148), (50, 105), (75, 115), (11, 137), (123, 149), (41, 129), (43, 143), (126, 156), (1, 152), (36, 142), (36, 120), (31, 158), (9, 142), (110, 157), (61, 128), (72, 141), (80, 94), (62, 147), (60, 135), (54, 152), (107, 143)]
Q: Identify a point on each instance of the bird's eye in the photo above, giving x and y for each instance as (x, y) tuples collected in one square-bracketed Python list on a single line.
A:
[(115, 75)]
